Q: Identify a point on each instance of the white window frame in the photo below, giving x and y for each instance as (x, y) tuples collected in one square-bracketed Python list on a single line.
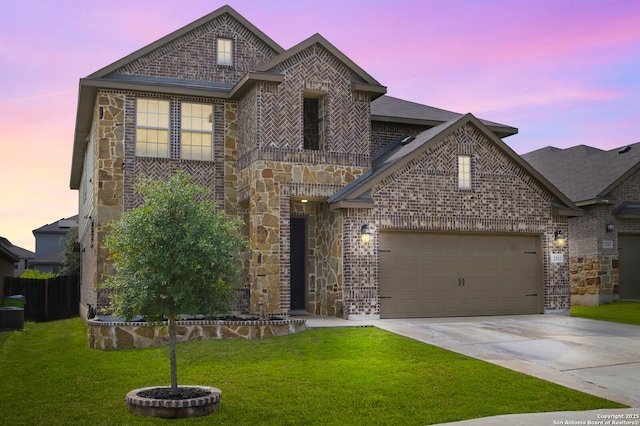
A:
[(224, 51), (196, 127), (464, 172), (152, 127)]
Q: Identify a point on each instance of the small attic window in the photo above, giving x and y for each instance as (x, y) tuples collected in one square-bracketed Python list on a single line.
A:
[(464, 172), (225, 51)]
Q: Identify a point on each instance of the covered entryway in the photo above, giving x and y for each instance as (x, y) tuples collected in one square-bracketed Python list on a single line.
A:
[(629, 257), (427, 274)]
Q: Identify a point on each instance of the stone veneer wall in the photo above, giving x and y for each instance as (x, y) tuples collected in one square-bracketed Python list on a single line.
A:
[(595, 268), (118, 166), (272, 187), (129, 335), (274, 169), (108, 189)]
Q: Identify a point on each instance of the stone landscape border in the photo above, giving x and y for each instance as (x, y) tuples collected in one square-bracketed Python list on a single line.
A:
[(112, 334), (173, 408)]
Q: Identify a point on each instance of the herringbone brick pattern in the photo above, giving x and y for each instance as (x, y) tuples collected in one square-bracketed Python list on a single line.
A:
[(193, 56)]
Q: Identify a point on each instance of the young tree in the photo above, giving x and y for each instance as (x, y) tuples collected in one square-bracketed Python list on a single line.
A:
[(175, 254), (71, 254)]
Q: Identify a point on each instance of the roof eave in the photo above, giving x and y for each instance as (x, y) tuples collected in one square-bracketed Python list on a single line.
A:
[(352, 204), (592, 201), (250, 79), (375, 90)]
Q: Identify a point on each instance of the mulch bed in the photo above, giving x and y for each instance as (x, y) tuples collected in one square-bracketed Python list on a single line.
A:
[(166, 393)]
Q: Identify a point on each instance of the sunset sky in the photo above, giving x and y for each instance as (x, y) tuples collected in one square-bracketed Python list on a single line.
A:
[(564, 72)]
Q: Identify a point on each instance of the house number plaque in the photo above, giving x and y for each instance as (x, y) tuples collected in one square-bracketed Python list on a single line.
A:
[(557, 258)]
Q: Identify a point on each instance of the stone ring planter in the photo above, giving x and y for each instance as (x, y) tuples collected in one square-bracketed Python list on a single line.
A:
[(174, 408)]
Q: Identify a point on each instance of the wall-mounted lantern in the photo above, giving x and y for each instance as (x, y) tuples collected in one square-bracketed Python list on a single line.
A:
[(365, 233), (610, 227), (559, 238)]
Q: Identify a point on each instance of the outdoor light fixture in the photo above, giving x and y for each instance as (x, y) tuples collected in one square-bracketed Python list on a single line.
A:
[(610, 227), (559, 238), (365, 233)]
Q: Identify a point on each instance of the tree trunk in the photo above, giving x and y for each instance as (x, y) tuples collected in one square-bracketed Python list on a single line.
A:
[(172, 354)]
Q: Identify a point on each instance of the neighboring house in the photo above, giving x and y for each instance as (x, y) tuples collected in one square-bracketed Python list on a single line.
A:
[(50, 244), (25, 257), (8, 260), (604, 244), (356, 204)]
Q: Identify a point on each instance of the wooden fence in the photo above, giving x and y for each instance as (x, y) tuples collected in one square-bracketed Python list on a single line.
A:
[(46, 300)]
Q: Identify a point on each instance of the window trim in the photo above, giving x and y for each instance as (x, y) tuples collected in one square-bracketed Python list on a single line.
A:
[(320, 121), (157, 128), (224, 56), (465, 172), (209, 131)]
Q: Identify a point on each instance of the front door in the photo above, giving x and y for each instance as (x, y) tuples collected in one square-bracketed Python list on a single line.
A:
[(298, 268), (629, 252)]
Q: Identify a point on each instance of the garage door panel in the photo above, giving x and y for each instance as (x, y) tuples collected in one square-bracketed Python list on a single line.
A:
[(458, 274)]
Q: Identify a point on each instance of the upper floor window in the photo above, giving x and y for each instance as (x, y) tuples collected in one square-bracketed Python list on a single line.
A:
[(313, 127), (196, 131), (152, 127), (225, 51), (464, 172)]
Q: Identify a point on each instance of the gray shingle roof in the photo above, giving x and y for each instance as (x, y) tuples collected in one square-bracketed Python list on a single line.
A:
[(582, 172), (388, 108)]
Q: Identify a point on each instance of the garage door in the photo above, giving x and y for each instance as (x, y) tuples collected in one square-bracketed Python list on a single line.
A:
[(629, 255), (438, 274)]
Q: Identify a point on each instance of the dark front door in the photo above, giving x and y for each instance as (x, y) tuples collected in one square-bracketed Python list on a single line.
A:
[(629, 255), (298, 270)]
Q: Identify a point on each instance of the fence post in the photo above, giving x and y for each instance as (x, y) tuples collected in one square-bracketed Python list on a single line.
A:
[(46, 299)]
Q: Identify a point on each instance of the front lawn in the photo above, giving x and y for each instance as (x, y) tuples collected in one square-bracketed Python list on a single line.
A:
[(338, 376), (619, 311)]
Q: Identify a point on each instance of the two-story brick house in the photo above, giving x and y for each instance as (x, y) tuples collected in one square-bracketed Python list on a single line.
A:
[(356, 204)]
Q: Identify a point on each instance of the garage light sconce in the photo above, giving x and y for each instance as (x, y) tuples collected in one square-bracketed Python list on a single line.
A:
[(365, 233), (559, 238), (610, 227)]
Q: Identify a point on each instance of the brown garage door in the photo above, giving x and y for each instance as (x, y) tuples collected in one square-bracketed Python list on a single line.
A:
[(629, 255), (438, 274)]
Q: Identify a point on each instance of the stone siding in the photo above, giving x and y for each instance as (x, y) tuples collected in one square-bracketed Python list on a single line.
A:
[(108, 335), (595, 268), (108, 185)]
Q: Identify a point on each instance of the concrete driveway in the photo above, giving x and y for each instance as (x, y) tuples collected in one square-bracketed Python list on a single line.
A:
[(596, 357)]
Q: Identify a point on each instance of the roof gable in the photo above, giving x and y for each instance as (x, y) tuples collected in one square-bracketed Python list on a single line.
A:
[(361, 81), (178, 39), (400, 154)]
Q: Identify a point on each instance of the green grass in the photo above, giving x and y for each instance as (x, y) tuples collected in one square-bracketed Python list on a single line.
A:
[(619, 311), (341, 376)]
